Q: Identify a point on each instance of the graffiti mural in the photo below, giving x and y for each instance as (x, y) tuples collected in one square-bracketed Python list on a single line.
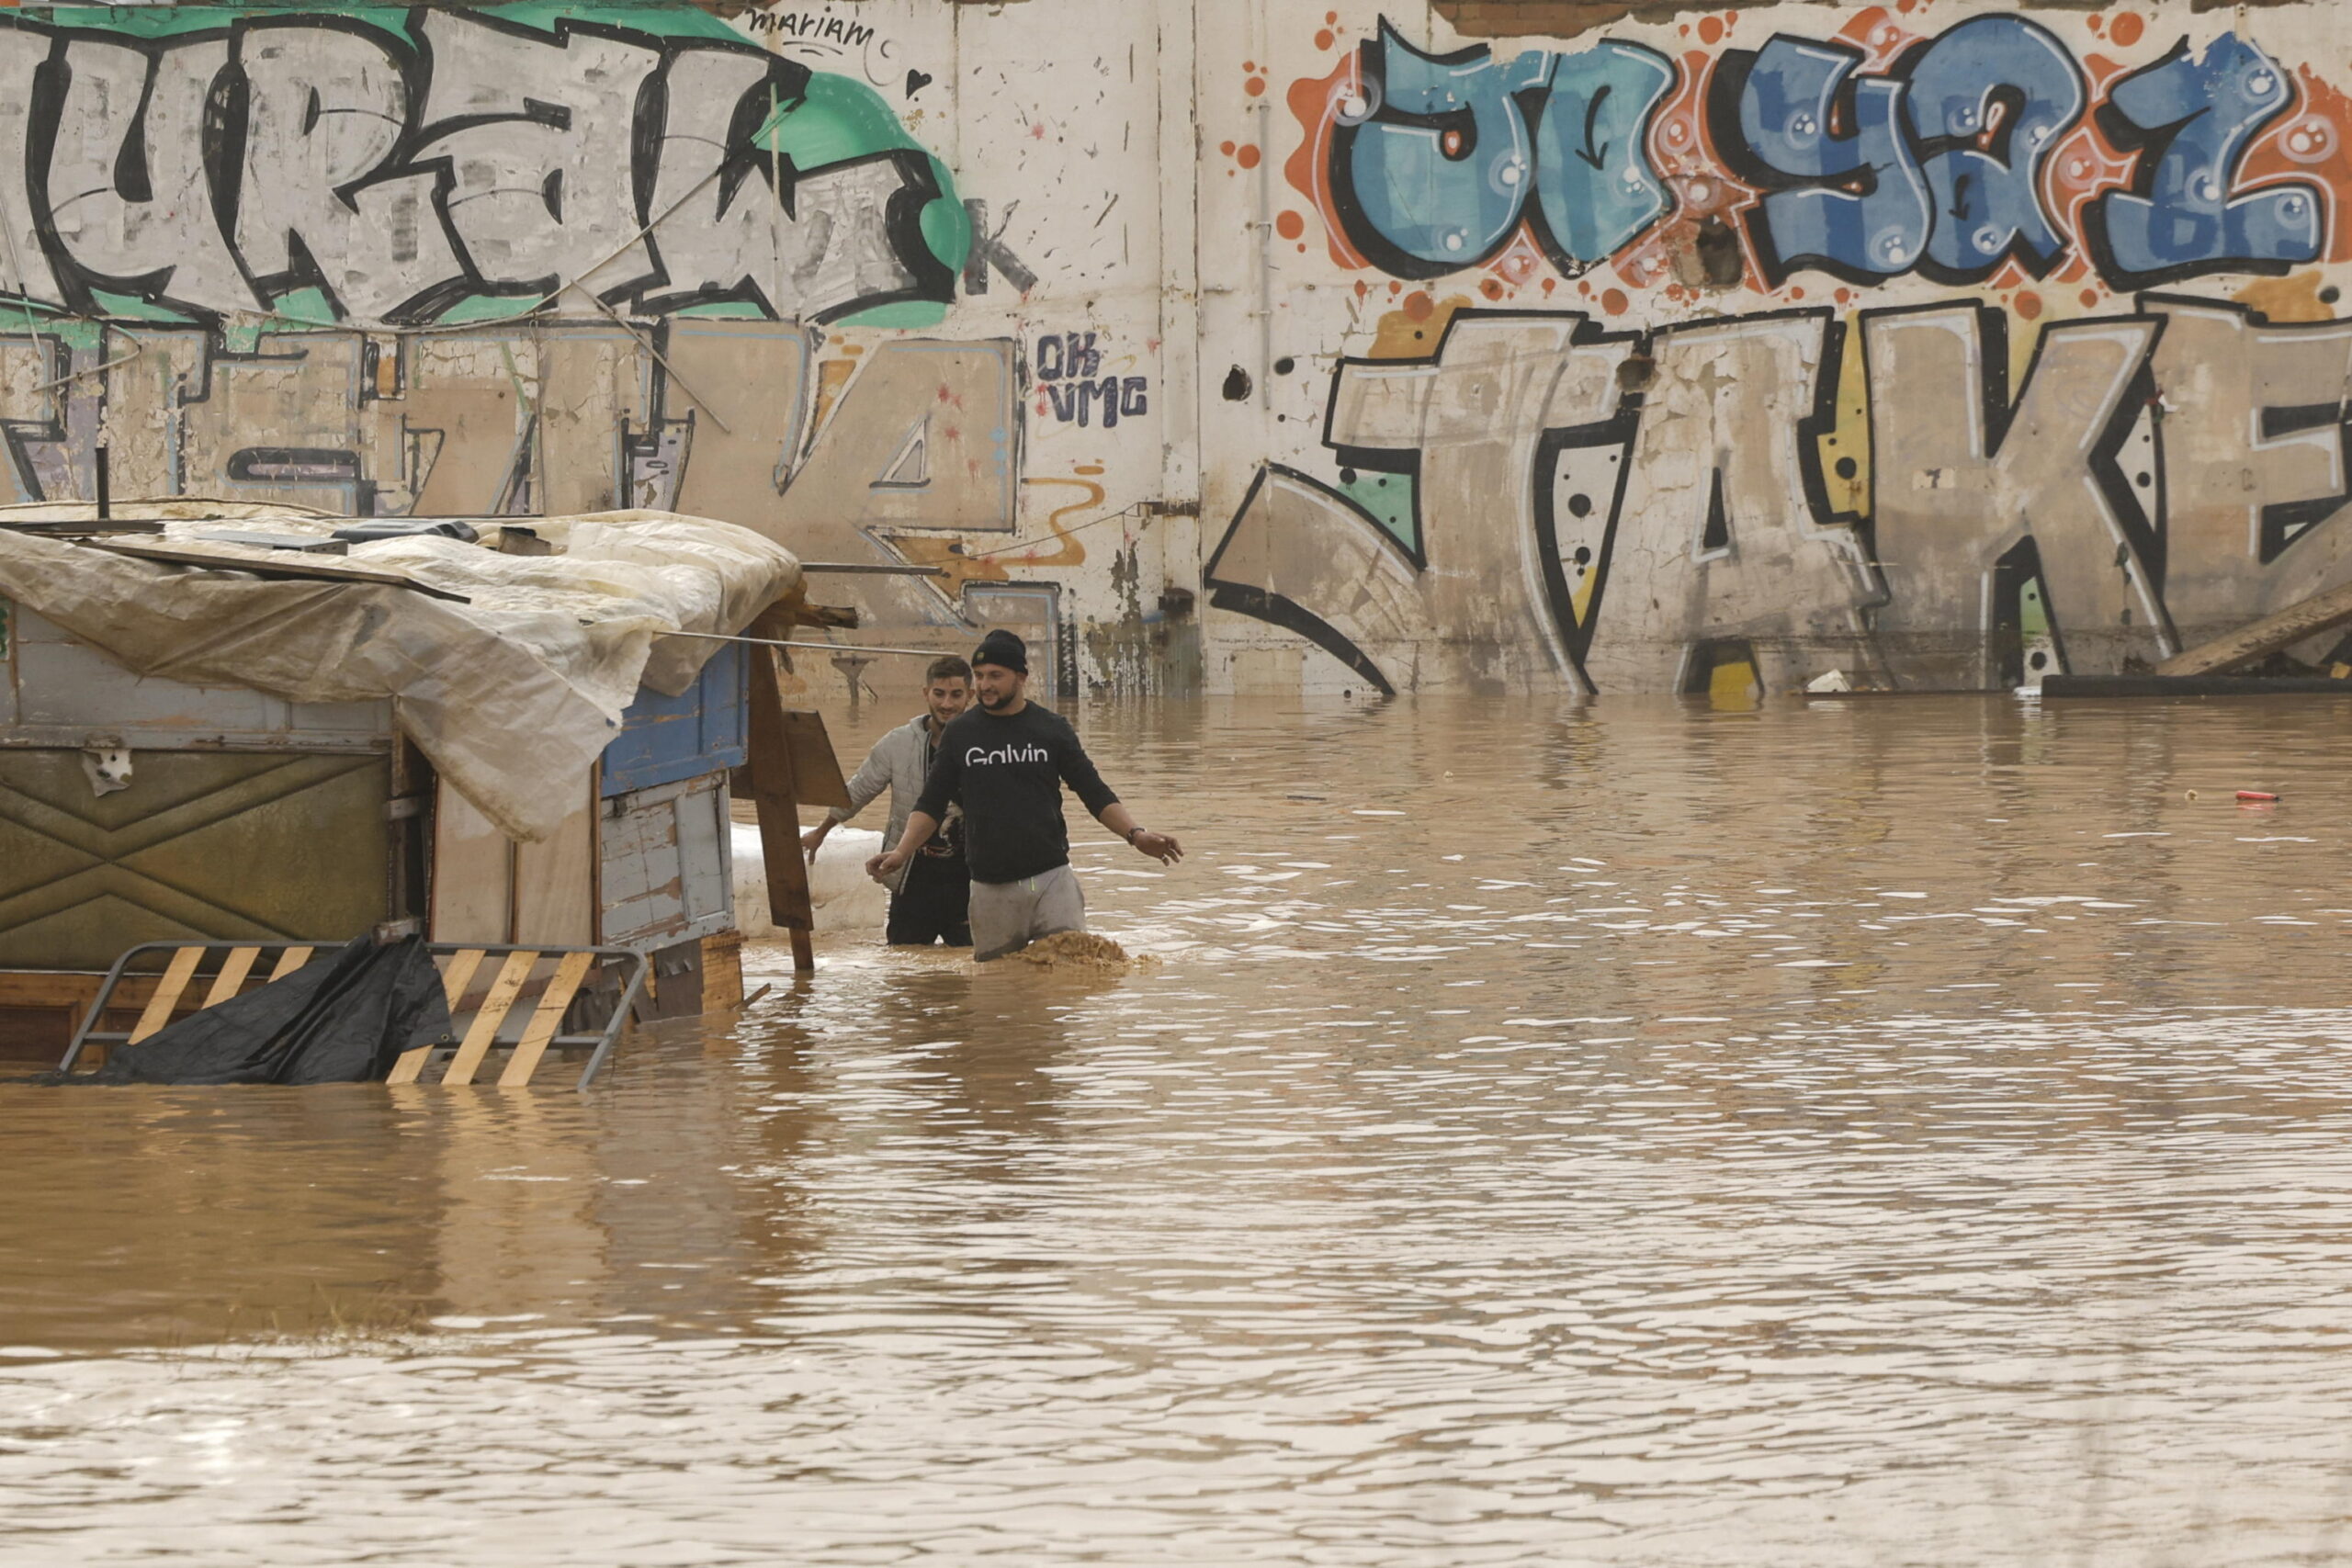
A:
[(1439, 161), (1867, 360), (1069, 370), (1939, 342), (1867, 155), (1605, 510), (327, 169), (449, 261), (562, 417)]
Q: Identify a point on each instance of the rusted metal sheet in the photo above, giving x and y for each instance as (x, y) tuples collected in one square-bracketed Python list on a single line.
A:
[(668, 876), (199, 846), (57, 691)]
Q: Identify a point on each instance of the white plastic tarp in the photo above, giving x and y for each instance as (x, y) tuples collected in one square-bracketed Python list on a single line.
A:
[(510, 695)]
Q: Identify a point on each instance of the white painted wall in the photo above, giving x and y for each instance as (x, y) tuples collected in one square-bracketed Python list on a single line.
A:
[(1214, 296)]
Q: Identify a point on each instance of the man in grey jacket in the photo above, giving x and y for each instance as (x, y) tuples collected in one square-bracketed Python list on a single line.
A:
[(931, 895)]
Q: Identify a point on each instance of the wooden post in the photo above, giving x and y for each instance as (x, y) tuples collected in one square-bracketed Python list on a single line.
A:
[(774, 792)]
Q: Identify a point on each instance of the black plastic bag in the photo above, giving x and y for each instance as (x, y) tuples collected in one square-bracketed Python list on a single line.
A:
[(344, 1017)]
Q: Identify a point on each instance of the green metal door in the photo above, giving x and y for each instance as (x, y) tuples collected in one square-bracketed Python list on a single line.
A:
[(203, 845)]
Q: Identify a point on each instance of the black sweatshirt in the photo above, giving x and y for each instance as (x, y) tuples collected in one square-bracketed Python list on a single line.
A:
[(1008, 773)]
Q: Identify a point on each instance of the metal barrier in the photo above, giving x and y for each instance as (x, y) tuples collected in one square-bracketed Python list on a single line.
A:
[(549, 978)]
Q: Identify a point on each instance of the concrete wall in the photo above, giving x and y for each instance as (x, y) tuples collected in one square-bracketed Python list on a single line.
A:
[(1936, 343), (1258, 345)]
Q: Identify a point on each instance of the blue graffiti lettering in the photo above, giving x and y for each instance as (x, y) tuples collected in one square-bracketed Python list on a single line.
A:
[(1433, 167), (1787, 108), (1936, 164), (1438, 160), (1595, 190), (2194, 117), (1987, 103)]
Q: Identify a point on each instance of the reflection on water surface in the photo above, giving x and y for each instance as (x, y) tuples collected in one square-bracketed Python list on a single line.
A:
[(1880, 1132)]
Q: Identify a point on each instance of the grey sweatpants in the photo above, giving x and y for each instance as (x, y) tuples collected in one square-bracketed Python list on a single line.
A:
[(1008, 916)]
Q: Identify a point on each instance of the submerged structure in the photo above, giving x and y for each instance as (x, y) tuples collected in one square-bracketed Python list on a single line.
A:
[(272, 727)]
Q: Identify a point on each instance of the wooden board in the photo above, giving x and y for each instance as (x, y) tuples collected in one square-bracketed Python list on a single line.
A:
[(590, 388), (473, 872), (544, 1022), (455, 975), (459, 974), (487, 888), (502, 992), (779, 812), (297, 568), (758, 371), (722, 971), (92, 527), (176, 975), (232, 978), (667, 868), (472, 423), (816, 771), (2249, 645), (555, 881)]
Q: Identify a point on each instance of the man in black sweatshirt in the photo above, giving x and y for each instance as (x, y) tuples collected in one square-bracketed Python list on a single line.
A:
[(1005, 762)]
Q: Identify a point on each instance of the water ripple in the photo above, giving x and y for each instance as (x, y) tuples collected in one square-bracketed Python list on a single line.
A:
[(1873, 1133)]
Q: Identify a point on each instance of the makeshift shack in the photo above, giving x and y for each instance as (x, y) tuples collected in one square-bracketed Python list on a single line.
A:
[(235, 722)]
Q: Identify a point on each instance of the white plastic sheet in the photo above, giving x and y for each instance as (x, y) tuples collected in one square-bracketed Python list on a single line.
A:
[(512, 695)]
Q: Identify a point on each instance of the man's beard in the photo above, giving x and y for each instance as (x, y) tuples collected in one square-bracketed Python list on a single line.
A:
[(993, 703)]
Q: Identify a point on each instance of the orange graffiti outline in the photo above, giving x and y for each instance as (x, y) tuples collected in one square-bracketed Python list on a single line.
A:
[(1071, 553)]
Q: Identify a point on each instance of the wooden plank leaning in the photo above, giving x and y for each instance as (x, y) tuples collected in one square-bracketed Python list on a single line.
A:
[(773, 793), (293, 958), (502, 992), (176, 974), (553, 1001), (2320, 612), (459, 975), (455, 977), (816, 770), (232, 978)]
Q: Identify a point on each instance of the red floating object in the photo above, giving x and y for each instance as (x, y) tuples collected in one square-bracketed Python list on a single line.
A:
[(2255, 795)]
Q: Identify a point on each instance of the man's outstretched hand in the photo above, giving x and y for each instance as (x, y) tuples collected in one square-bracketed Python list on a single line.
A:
[(1162, 847)]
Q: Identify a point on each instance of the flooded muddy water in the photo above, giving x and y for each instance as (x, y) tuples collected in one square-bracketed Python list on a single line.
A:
[(1878, 1132)]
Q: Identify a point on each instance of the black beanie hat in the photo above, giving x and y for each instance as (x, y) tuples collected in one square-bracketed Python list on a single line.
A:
[(1003, 650)]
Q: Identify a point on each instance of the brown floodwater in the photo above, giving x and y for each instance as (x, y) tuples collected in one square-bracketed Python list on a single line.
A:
[(1881, 1132)]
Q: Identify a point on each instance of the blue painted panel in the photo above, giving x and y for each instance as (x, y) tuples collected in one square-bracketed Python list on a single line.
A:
[(663, 740)]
